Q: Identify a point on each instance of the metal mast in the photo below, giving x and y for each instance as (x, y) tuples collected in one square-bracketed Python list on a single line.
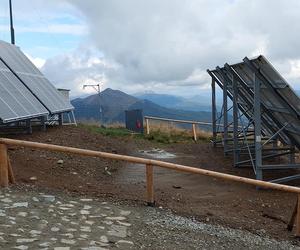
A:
[(12, 31)]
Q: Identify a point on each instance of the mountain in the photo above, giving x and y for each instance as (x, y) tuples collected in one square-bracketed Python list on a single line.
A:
[(115, 102), (194, 103)]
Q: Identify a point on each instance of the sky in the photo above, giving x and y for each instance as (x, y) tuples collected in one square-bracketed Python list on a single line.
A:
[(152, 46)]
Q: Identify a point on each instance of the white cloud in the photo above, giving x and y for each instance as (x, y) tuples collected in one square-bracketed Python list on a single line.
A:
[(166, 46), (38, 62)]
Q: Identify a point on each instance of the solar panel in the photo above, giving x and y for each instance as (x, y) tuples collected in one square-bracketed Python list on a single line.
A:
[(16, 101), (30, 76)]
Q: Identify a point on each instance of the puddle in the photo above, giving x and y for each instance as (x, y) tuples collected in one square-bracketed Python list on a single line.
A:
[(157, 153)]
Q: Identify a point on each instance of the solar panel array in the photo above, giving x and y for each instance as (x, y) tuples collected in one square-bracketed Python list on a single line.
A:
[(30, 75), (25, 92), (280, 104)]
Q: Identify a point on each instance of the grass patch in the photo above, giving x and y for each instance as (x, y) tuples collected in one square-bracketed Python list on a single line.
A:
[(107, 131), (160, 134)]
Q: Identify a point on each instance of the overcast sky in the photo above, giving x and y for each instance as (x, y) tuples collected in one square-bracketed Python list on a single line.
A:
[(159, 45)]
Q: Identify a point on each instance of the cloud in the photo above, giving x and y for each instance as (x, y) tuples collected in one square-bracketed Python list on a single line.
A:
[(172, 42)]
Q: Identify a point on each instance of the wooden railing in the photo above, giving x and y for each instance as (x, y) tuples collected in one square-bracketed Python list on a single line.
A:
[(194, 123), (6, 173)]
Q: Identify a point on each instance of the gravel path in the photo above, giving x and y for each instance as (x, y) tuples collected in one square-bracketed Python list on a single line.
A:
[(32, 220)]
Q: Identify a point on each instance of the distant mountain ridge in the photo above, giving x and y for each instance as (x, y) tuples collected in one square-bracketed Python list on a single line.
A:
[(194, 103), (115, 102)]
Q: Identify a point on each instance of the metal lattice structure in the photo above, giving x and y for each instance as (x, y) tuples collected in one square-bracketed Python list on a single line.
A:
[(265, 111)]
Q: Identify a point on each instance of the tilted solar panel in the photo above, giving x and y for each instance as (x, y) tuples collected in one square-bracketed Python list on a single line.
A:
[(30, 76), (16, 101)]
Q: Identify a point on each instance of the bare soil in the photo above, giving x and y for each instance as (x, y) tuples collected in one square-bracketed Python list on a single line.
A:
[(263, 212)]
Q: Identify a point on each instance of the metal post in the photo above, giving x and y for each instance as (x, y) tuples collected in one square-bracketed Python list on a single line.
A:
[(213, 112), (235, 122), (43, 123), (292, 154), (60, 119), (225, 118), (28, 126), (12, 31), (257, 129)]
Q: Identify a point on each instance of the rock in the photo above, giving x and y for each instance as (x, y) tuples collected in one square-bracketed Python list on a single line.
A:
[(22, 214), (35, 232), (6, 200), (86, 207), (118, 231), (33, 178), (124, 243), (86, 200), (25, 240), (125, 213), (85, 229), (104, 239), (61, 248), (69, 242), (45, 244), (20, 204), (84, 212), (60, 162), (48, 198), (22, 247), (115, 218), (55, 229)]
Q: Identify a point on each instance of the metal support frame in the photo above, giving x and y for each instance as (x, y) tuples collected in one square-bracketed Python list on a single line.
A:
[(214, 111), (260, 144)]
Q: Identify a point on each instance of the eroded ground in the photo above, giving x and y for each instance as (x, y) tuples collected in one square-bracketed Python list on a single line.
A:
[(208, 200)]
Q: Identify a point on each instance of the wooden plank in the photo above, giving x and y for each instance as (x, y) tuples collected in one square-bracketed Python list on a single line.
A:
[(3, 166), (194, 131), (147, 127), (11, 176), (149, 183), (298, 217), (168, 165), (293, 217)]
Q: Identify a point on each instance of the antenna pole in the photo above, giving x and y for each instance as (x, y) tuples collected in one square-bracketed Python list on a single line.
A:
[(12, 31)]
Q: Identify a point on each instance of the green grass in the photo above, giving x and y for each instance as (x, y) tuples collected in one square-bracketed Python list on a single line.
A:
[(108, 131), (156, 135)]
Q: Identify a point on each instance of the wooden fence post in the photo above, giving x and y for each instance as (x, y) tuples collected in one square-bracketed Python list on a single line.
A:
[(149, 183), (3, 166), (298, 217), (194, 131), (147, 126)]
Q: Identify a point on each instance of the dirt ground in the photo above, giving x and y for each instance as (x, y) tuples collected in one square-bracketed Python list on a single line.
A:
[(239, 206)]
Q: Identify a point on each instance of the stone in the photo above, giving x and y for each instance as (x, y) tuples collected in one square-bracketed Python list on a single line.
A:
[(116, 218), (69, 242), (87, 207), (33, 178), (104, 239), (22, 214), (85, 229), (84, 212), (55, 229), (6, 200), (86, 200), (49, 198), (35, 232), (21, 247), (60, 162), (125, 213), (118, 231), (25, 240), (124, 243), (61, 248), (124, 223), (35, 199), (20, 204), (45, 244)]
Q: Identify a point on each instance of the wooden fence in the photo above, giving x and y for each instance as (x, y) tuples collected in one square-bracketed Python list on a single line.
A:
[(6, 172), (194, 123)]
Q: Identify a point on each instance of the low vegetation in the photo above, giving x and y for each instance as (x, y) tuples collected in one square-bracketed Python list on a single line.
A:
[(159, 132)]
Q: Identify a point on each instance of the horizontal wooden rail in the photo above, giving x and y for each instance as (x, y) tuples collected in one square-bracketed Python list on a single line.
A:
[(145, 161), (149, 168), (178, 121)]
